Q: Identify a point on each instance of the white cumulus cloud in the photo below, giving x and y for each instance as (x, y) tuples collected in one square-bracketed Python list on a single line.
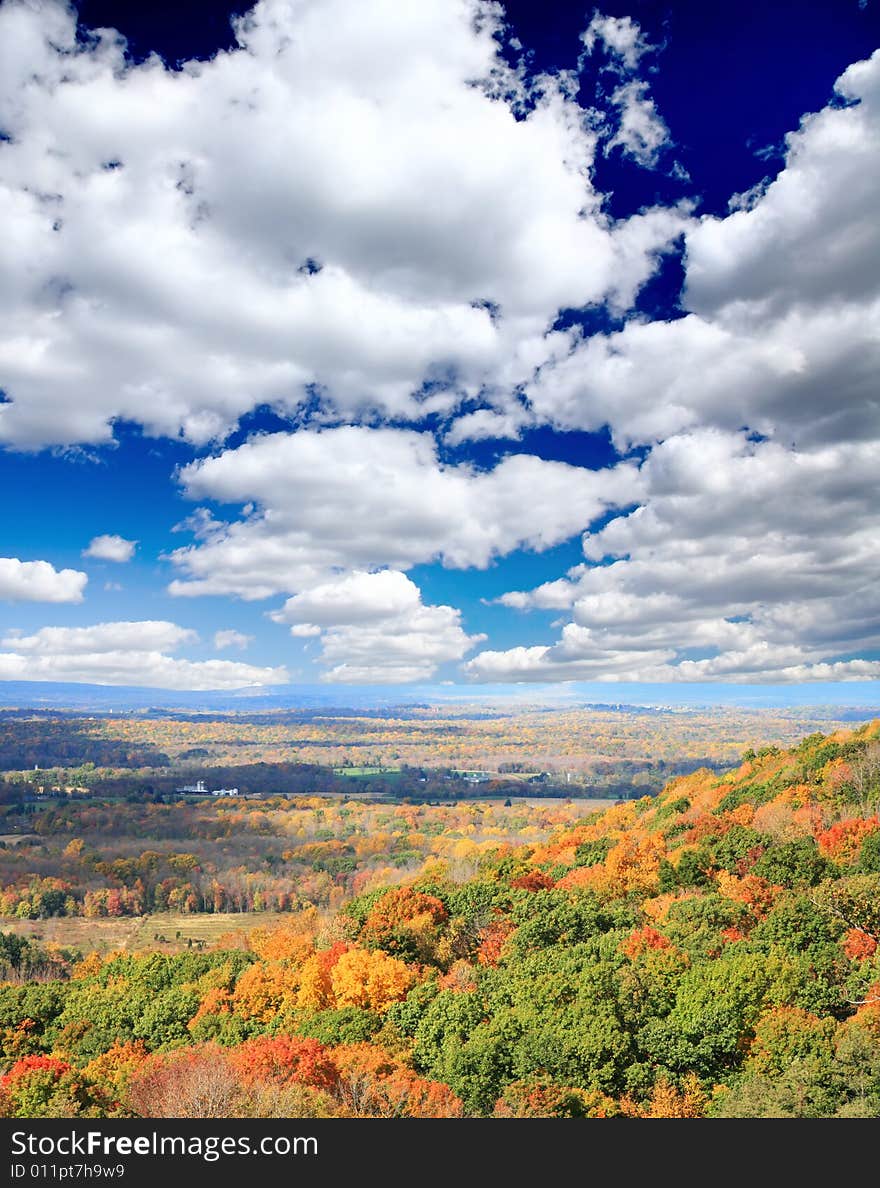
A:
[(352, 201), (39, 581), (375, 628), (782, 330), (760, 557), (123, 653), (635, 126), (408, 647), (621, 37), (355, 498), (357, 597), (641, 130), (361, 214), (752, 555), (111, 548), (231, 638)]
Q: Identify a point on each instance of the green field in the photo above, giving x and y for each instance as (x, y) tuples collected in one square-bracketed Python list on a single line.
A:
[(359, 772)]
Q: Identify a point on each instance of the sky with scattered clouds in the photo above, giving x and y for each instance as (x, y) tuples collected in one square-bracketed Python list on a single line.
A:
[(373, 343)]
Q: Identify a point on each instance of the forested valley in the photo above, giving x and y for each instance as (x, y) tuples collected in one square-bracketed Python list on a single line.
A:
[(421, 752), (709, 952)]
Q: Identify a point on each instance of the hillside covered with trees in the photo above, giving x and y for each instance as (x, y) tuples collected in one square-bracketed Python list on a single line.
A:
[(709, 952), (89, 858)]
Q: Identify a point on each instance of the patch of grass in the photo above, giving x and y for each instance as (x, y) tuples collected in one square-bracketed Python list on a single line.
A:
[(136, 933), (355, 772), (76, 932)]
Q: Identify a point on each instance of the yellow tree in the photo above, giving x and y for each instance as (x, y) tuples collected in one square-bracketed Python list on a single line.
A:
[(372, 981)]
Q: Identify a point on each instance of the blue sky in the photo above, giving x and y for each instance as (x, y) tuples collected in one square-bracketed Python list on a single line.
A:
[(386, 345)]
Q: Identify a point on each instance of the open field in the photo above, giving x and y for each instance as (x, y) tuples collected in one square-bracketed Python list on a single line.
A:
[(169, 932), (365, 771), (588, 804)]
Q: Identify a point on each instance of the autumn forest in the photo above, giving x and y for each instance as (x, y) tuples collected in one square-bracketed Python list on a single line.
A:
[(709, 951)]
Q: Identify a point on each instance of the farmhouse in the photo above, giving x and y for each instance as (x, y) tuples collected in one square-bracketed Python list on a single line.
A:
[(198, 788)]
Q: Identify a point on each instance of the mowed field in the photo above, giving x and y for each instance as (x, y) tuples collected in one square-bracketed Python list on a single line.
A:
[(355, 772), (167, 932)]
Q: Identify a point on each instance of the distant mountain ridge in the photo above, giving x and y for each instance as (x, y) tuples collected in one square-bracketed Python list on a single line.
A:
[(861, 700)]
